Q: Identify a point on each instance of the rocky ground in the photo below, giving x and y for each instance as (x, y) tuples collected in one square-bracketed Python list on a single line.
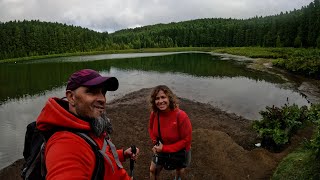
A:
[(222, 144)]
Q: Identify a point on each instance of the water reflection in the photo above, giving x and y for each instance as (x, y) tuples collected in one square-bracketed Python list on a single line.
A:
[(34, 78), (200, 77)]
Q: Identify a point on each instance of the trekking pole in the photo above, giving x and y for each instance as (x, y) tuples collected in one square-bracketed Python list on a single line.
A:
[(133, 150), (156, 161), (157, 157)]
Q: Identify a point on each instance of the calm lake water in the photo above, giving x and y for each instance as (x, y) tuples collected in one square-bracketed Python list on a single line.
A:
[(202, 77)]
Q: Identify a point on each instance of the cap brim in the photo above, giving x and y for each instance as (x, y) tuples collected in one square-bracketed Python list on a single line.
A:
[(109, 83)]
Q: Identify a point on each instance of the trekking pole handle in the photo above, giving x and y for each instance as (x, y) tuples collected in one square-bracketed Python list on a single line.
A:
[(133, 149)]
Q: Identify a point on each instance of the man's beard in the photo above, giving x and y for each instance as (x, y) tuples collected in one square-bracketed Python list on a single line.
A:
[(101, 124)]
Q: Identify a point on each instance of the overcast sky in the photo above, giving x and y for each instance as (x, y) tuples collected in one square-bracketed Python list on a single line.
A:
[(112, 15)]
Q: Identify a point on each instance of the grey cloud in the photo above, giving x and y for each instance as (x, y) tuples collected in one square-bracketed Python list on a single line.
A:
[(112, 15)]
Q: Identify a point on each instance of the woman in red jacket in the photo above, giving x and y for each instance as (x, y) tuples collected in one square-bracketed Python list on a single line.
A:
[(175, 131)]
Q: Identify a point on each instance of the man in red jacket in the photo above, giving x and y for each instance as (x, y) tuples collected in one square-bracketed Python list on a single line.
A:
[(69, 156)]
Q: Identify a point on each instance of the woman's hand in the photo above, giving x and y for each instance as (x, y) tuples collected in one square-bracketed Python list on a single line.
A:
[(157, 148), (128, 153)]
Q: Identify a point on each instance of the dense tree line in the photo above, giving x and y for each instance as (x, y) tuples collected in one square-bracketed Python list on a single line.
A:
[(297, 28), (32, 38)]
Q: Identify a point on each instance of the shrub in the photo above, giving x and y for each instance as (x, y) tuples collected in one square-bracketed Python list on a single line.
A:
[(302, 61), (314, 116), (279, 124)]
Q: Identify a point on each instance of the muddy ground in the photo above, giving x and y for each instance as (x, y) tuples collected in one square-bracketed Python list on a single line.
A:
[(222, 144)]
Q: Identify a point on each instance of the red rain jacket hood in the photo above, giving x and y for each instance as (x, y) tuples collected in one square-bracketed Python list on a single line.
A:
[(55, 114)]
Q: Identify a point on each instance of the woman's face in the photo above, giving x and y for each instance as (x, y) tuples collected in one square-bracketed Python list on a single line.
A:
[(162, 101)]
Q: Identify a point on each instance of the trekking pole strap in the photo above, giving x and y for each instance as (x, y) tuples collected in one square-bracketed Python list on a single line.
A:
[(134, 151)]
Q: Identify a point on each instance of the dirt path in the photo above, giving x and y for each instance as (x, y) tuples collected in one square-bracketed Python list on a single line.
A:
[(222, 145)]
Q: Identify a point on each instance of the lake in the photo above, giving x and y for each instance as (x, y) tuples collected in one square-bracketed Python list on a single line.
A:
[(203, 77)]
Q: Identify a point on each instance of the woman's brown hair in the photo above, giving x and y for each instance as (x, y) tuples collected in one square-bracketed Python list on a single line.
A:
[(173, 103)]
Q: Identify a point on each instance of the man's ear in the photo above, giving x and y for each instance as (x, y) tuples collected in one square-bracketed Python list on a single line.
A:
[(70, 97)]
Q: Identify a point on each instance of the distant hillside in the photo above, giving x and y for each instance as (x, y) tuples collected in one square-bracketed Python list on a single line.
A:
[(297, 28), (30, 38)]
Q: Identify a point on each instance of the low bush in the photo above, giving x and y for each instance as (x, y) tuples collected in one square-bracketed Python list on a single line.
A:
[(278, 125), (314, 143), (303, 163), (302, 61)]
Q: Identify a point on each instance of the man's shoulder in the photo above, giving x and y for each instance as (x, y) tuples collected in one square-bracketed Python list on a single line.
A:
[(68, 138), (64, 150)]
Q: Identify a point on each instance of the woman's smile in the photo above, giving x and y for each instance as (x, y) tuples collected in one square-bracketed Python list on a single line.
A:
[(162, 101)]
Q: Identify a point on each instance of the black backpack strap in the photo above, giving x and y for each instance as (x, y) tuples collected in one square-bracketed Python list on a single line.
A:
[(33, 153), (102, 151), (98, 172), (27, 150), (178, 113), (32, 163), (159, 132)]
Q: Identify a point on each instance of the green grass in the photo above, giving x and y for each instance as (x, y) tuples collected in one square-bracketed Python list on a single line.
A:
[(177, 49), (299, 165), (296, 60), (258, 52)]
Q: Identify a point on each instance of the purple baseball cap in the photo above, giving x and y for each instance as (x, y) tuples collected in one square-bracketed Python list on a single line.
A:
[(89, 78)]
